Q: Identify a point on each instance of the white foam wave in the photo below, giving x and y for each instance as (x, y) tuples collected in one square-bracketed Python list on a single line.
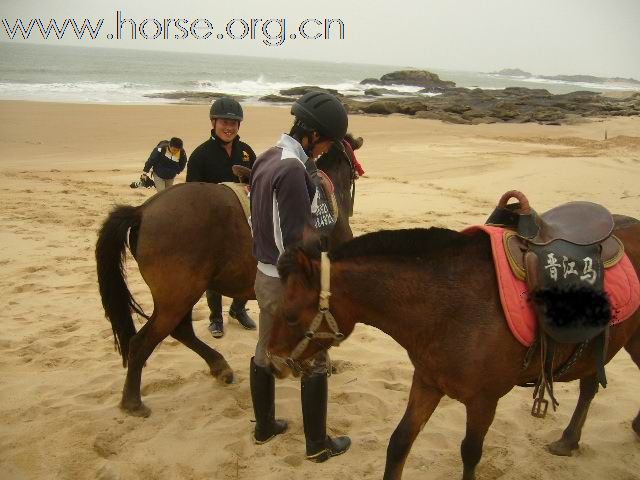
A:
[(98, 92), (581, 85)]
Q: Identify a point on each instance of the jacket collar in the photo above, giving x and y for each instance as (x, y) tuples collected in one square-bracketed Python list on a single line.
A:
[(291, 148)]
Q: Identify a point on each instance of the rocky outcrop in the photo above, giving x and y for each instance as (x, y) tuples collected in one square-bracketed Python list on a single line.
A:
[(512, 72), (513, 105), (297, 91), (277, 99), (371, 81), (516, 72), (378, 92), (414, 78), (456, 104)]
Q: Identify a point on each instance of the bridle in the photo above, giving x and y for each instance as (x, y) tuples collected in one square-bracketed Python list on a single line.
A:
[(323, 314)]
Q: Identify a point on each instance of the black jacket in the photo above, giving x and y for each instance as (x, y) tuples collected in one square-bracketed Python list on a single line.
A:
[(163, 166), (210, 162)]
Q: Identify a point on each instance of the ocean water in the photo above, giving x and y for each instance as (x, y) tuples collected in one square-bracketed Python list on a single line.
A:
[(76, 74)]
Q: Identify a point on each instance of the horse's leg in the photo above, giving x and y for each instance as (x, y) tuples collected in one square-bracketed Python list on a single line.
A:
[(480, 413), (571, 435), (141, 346), (217, 364), (633, 347), (423, 400)]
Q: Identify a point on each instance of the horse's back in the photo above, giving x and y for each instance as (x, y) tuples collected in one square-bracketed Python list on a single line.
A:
[(194, 229), (627, 229)]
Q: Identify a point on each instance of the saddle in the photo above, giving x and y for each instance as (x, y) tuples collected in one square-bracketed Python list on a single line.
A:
[(327, 212), (561, 254)]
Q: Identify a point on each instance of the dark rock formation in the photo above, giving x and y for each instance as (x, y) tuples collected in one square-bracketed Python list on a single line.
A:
[(456, 104), (371, 81), (512, 72), (297, 91), (414, 78), (277, 99), (516, 72), (417, 78), (378, 92), (514, 105)]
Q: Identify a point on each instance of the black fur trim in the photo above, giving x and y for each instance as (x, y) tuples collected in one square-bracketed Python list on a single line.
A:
[(573, 306)]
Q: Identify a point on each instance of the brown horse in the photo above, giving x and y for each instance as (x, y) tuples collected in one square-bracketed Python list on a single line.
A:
[(187, 239), (435, 292)]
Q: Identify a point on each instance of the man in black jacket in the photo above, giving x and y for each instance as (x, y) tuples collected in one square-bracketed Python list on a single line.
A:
[(167, 160), (211, 162)]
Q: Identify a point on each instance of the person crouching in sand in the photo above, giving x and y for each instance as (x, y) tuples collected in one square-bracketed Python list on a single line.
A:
[(167, 161)]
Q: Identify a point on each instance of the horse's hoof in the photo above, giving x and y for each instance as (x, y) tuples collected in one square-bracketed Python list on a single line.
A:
[(138, 410), (562, 448), (636, 426), (224, 376)]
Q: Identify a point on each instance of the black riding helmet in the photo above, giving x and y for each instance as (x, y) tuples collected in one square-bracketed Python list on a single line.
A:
[(226, 107), (322, 112)]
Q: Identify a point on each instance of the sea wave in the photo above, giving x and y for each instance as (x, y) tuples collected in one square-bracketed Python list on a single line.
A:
[(131, 92), (579, 85), (98, 92)]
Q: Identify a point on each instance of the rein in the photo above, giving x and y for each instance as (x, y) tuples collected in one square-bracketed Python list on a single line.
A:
[(323, 315)]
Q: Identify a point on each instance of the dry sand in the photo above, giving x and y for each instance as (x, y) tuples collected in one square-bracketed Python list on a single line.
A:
[(63, 166)]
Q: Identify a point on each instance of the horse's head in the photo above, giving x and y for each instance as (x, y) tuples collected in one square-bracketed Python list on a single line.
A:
[(304, 324), (338, 163)]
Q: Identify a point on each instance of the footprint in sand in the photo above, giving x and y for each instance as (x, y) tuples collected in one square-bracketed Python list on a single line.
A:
[(163, 385)]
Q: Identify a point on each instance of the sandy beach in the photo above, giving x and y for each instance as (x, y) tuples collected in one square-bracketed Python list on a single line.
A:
[(64, 166)]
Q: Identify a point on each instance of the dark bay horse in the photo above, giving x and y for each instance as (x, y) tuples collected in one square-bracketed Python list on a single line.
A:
[(435, 292), (187, 239)]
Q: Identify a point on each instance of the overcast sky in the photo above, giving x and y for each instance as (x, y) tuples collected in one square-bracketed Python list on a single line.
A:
[(599, 37)]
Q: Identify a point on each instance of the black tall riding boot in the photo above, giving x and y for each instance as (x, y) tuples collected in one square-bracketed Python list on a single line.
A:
[(216, 325), (320, 447), (239, 312), (263, 393)]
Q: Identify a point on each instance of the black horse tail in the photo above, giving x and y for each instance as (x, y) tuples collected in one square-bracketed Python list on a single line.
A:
[(116, 298)]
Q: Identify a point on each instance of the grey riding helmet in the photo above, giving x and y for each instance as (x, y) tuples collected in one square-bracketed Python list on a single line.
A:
[(226, 107), (323, 112)]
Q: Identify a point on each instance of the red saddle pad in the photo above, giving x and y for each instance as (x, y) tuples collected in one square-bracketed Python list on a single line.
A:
[(620, 282)]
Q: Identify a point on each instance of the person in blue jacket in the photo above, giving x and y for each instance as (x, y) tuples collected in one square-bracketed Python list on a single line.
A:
[(167, 161)]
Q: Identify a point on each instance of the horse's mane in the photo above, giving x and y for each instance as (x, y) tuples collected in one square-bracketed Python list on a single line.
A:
[(413, 242), (402, 243)]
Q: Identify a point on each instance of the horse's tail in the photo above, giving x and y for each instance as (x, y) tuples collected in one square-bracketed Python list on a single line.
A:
[(116, 298)]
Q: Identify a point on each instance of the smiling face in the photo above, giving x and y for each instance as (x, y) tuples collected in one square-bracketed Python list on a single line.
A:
[(225, 129)]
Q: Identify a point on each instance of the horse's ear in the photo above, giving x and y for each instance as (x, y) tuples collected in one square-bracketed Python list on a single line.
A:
[(355, 143), (295, 260), (304, 263)]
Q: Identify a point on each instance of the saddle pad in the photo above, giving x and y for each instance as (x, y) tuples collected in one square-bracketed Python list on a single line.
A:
[(620, 283), (242, 192)]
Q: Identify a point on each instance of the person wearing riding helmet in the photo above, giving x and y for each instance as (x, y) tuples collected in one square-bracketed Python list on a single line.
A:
[(282, 195), (211, 162)]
